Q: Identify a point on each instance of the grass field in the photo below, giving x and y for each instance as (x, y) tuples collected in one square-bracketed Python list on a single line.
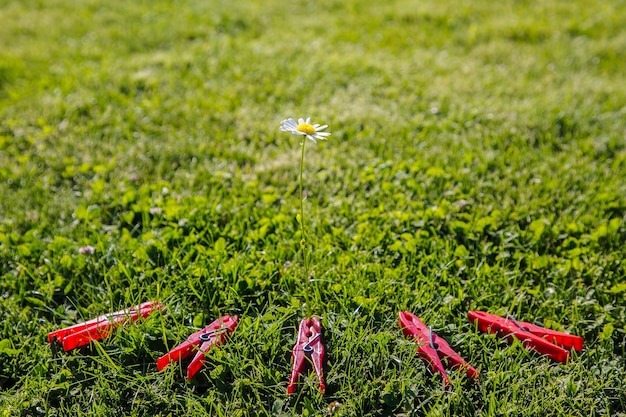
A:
[(477, 162)]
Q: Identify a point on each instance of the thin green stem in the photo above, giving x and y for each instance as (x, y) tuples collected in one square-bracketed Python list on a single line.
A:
[(303, 241)]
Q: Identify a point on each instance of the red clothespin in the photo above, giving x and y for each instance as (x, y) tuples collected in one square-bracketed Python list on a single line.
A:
[(545, 341), (199, 343), (433, 348), (82, 334), (308, 348)]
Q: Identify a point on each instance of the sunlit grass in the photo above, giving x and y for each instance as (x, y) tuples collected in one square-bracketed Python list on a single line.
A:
[(476, 161)]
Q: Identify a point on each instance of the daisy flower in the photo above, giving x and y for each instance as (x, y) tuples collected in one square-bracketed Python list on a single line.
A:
[(314, 132)]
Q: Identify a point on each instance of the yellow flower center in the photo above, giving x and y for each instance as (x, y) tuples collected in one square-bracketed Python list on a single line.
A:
[(306, 128)]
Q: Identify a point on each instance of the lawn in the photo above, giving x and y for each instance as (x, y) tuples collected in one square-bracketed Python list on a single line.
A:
[(477, 162)]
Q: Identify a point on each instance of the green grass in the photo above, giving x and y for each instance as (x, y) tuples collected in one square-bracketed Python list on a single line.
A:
[(477, 161)]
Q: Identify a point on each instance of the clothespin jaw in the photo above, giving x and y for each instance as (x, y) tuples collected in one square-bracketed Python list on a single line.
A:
[(545, 341), (199, 343), (82, 334), (308, 349), (433, 348)]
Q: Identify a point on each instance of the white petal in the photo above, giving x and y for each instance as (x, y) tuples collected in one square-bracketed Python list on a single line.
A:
[(318, 127), (300, 121), (308, 120)]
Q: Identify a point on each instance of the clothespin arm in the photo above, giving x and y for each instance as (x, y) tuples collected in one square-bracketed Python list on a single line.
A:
[(525, 333), (179, 353), (453, 358), (299, 363), (562, 339), (317, 356), (431, 356)]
